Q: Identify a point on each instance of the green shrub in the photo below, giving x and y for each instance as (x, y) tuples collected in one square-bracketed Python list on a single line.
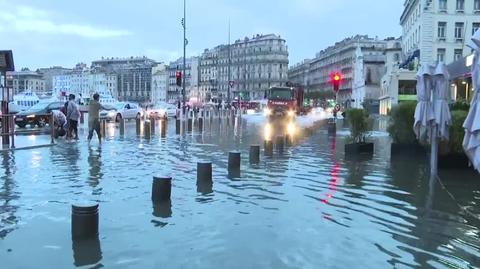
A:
[(401, 122), (459, 106), (456, 131), (359, 124)]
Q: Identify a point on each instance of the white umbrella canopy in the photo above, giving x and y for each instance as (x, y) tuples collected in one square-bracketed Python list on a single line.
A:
[(442, 115), (424, 113), (471, 141)]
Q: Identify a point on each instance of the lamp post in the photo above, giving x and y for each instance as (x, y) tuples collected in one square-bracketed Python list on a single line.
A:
[(185, 42)]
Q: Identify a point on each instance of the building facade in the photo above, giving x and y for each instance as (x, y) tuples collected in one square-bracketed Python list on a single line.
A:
[(436, 30), (159, 83), (174, 92), (133, 77), (251, 65), (24, 80), (359, 59), (49, 73), (398, 84)]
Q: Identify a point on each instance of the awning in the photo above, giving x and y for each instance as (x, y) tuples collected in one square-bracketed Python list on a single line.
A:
[(415, 54)]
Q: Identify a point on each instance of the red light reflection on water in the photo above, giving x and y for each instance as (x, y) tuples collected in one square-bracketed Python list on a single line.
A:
[(332, 188)]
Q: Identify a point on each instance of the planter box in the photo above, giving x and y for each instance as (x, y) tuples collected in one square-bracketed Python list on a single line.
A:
[(407, 149), (358, 148), (453, 161)]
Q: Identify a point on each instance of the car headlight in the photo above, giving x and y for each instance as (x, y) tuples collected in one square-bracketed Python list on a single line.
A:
[(267, 112), (31, 116), (291, 113)]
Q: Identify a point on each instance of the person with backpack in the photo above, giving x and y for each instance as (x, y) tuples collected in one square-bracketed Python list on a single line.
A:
[(73, 114)]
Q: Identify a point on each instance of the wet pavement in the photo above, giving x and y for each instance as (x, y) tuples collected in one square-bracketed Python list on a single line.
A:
[(305, 207)]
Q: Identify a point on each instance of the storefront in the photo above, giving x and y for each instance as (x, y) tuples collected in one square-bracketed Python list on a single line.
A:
[(461, 87)]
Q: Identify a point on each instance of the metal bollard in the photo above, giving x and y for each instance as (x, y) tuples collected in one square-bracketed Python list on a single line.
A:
[(161, 189), (86, 251), (103, 128), (189, 124), (12, 130), (288, 140), (147, 129), (52, 129), (332, 128), (122, 126), (152, 125), (204, 171), (234, 161), (268, 147), (280, 142), (200, 124), (84, 221), (163, 128), (254, 154), (177, 126), (138, 126), (162, 209)]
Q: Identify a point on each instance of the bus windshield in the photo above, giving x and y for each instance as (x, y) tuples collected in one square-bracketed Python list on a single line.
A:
[(280, 94)]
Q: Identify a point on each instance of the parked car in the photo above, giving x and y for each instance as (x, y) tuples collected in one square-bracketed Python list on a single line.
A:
[(162, 110), (122, 110), (38, 114)]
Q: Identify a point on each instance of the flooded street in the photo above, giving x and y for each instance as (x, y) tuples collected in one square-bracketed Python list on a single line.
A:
[(305, 207)]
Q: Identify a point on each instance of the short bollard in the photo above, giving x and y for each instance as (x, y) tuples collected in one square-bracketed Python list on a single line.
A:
[(268, 147), (84, 221), (162, 209), (163, 128), (103, 128), (200, 124), (280, 142), (234, 161), (138, 126), (161, 189), (153, 122), (189, 124), (204, 171), (177, 126), (122, 126), (288, 140), (254, 154), (147, 129), (332, 127)]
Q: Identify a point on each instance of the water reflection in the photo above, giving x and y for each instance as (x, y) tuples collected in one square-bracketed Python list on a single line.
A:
[(8, 218), (95, 164), (87, 252)]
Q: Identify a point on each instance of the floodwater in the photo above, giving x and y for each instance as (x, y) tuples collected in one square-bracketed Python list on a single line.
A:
[(303, 207)]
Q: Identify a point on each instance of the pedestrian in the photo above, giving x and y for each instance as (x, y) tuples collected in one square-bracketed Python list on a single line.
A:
[(59, 123), (94, 117), (73, 114)]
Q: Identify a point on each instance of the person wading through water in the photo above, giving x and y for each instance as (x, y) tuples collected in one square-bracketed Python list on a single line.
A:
[(94, 117), (73, 114)]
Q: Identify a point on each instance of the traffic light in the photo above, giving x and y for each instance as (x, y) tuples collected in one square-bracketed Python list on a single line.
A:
[(178, 76), (336, 79)]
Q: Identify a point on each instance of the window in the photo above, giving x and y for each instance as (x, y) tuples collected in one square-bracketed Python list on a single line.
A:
[(476, 5), (475, 26), (457, 54), (459, 30), (460, 5), (440, 55), (442, 26), (443, 5)]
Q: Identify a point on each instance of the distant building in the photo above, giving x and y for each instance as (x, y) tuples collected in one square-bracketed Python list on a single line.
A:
[(133, 76), (159, 83), (361, 62), (174, 92), (436, 31), (398, 85), (255, 65), (83, 82), (49, 73), (26, 80)]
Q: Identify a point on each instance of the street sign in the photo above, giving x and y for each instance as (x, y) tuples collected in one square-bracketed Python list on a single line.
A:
[(231, 83), (337, 107)]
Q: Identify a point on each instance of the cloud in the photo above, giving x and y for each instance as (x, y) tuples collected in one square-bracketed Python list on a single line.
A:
[(25, 19)]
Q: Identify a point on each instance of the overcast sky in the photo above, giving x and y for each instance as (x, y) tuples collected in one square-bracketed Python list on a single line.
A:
[(44, 33)]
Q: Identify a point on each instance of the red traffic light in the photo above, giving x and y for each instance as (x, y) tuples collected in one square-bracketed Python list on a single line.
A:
[(178, 76), (336, 79)]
